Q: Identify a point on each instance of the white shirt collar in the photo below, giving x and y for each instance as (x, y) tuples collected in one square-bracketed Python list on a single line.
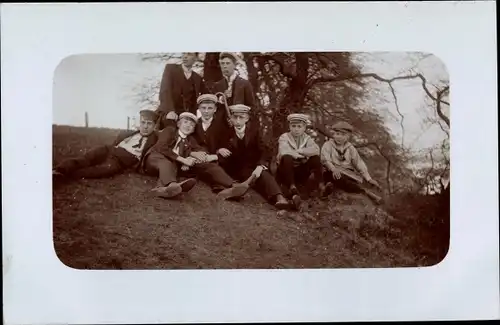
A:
[(240, 133), (339, 147), (182, 135), (299, 141), (233, 76), (187, 71), (206, 123)]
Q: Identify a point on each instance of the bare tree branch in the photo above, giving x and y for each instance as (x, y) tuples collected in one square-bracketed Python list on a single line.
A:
[(439, 110), (387, 158), (426, 180), (158, 56), (399, 112), (322, 79)]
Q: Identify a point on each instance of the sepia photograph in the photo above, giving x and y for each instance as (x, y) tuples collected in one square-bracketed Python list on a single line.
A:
[(251, 160), (297, 168)]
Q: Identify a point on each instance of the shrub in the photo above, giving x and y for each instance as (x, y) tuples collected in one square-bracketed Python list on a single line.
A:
[(425, 222)]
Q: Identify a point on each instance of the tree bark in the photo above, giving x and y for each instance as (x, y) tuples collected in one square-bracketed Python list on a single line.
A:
[(211, 69), (294, 98)]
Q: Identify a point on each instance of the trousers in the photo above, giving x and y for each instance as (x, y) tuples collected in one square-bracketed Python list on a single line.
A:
[(169, 171), (291, 173), (100, 162), (265, 185)]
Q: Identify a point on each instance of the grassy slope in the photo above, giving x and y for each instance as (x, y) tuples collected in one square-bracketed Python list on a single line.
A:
[(113, 223)]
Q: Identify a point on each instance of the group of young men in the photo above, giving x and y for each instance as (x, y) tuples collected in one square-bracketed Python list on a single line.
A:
[(190, 137)]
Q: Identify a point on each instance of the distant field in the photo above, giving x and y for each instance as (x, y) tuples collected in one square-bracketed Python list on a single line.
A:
[(114, 224)]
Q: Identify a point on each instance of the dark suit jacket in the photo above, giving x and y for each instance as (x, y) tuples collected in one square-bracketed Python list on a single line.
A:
[(171, 88), (166, 143), (152, 138), (242, 92), (256, 151), (214, 137)]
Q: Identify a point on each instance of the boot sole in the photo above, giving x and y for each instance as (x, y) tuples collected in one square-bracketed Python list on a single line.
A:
[(169, 192), (282, 206), (328, 190), (296, 202), (232, 192), (187, 185)]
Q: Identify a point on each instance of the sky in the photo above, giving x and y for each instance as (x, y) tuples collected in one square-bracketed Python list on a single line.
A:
[(105, 86)]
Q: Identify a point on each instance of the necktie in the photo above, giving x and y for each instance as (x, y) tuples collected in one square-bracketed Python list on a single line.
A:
[(341, 153), (182, 149), (139, 145)]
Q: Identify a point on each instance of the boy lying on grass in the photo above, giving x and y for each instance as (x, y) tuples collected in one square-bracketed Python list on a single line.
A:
[(127, 151), (345, 168)]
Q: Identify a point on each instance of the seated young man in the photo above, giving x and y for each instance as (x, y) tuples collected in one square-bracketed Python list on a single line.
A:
[(211, 130), (298, 156), (345, 168), (127, 151), (177, 153), (246, 155)]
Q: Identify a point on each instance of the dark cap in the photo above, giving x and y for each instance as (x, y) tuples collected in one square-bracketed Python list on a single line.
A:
[(343, 126), (149, 114)]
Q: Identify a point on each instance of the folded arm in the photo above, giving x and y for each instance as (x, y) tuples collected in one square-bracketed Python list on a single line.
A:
[(284, 147), (311, 148)]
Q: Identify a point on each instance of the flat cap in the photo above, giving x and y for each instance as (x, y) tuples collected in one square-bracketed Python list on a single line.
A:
[(149, 114), (298, 117), (207, 98), (188, 115), (239, 108), (229, 55), (342, 126)]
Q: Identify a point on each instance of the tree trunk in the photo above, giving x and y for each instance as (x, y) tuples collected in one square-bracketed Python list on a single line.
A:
[(294, 99), (252, 71), (211, 69), (253, 79)]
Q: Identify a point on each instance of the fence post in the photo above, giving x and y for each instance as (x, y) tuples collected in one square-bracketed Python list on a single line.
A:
[(128, 123), (86, 119)]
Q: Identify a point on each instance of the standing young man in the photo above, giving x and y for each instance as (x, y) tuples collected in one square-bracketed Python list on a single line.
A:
[(236, 89), (179, 88)]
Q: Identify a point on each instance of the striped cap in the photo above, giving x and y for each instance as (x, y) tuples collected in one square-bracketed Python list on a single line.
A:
[(188, 115), (239, 108), (298, 117), (207, 98)]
